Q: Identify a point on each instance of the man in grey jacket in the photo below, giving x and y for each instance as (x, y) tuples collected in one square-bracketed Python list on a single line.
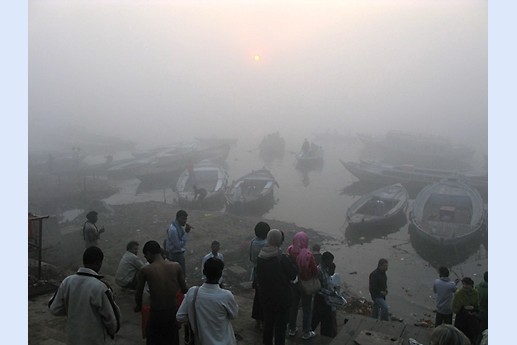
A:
[(92, 315)]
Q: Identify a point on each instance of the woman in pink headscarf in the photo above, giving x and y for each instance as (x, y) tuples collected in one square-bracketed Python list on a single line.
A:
[(307, 269)]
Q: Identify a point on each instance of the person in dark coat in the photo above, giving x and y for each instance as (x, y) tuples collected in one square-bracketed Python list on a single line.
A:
[(378, 286), (256, 245), (275, 272)]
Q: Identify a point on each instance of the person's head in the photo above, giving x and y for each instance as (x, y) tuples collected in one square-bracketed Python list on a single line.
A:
[(261, 230), (92, 216), (132, 247), (92, 258), (151, 250), (448, 335), (327, 258), (181, 217), (274, 238), (300, 240), (332, 268), (213, 270), (382, 265), (443, 271), (316, 248), (485, 277), (215, 247), (468, 283)]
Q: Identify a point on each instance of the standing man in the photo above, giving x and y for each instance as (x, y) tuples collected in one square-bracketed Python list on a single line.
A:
[(465, 304), (91, 234), (128, 267), (165, 279), (483, 301), (378, 285), (213, 308), (444, 291), (214, 253), (88, 304), (177, 236)]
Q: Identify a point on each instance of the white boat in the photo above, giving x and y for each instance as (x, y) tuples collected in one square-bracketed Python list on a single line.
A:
[(252, 193), (207, 177), (379, 207), (448, 212)]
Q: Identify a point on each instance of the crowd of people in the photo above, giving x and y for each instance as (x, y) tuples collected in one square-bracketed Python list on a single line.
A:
[(283, 282)]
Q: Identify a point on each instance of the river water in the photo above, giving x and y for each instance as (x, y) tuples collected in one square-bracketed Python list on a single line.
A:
[(316, 199)]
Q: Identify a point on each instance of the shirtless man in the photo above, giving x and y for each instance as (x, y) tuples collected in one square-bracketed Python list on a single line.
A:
[(164, 279)]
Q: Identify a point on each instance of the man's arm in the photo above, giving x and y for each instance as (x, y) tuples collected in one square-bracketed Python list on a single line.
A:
[(182, 314), (110, 313), (232, 308), (139, 290), (56, 303)]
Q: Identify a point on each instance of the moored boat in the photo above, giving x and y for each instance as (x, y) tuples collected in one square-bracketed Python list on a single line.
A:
[(202, 186), (410, 176), (379, 207), (252, 193), (448, 212)]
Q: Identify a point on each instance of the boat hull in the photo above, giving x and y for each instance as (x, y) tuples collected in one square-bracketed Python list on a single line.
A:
[(448, 212), (382, 207)]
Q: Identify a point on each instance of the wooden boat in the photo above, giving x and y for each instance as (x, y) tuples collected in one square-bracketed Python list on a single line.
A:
[(252, 193), (206, 175), (417, 148), (448, 212), (410, 176), (313, 156), (379, 207), (163, 169)]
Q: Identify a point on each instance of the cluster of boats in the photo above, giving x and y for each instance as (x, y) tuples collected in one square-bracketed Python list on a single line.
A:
[(448, 209)]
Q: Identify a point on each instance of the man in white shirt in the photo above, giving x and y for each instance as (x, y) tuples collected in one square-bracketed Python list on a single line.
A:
[(128, 267), (210, 314), (214, 253)]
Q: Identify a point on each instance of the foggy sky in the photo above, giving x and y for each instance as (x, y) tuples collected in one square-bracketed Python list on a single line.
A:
[(153, 71)]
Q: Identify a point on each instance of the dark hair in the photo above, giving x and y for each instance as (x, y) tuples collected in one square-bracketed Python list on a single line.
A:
[(181, 213), (327, 257), (92, 255), (91, 214), (467, 281), (485, 276), (213, 269), (131, 244), (316, 247), (261, 230), (152, 247), (443, 271), (216, 243), (382, 262)]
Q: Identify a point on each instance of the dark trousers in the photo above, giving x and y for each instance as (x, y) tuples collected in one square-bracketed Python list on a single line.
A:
[(443, 318), (322, 312), (275, 325), (468, 323), (162, 328), (256, 311)]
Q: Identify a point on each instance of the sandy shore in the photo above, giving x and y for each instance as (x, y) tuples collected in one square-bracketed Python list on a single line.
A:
[(145, 221)]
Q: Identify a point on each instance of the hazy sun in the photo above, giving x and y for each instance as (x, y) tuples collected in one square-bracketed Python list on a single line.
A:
[(256, 57)]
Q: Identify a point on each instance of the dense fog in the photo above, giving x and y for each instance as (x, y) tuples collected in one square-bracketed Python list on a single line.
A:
[(156, 72)]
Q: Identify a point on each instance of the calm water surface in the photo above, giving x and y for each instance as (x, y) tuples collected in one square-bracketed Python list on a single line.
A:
[(316, 200)]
